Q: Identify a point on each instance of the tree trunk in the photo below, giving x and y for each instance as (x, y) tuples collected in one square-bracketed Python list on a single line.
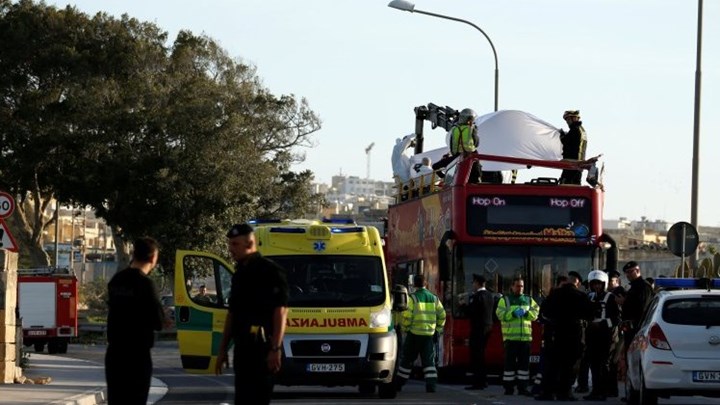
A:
[(27, 224), (122, 248)]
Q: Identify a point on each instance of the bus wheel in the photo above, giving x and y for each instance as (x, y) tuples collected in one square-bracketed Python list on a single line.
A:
[(366, 388), (387, 390), (39, 347)]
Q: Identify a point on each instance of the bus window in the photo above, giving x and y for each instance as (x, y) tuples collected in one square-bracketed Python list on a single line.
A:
[(547, 262), (499, 265)]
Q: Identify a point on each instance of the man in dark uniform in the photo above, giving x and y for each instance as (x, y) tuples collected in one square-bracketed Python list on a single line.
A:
[(574, 143), (567, 309), (256, 318), (480, 310), (636, 301), (601, 335), (134, 314)]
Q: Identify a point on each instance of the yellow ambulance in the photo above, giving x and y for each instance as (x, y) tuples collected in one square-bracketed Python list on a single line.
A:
[(339, 324)]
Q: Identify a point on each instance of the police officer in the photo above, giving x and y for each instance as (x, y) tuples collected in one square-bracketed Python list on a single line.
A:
[(423, 322), (516, 312), (480, 311), (567, 309), (601, 335), (574, 143), (636, 301), (256, 318)]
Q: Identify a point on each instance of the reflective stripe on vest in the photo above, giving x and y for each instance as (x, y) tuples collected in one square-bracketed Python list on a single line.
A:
[(603, 310), (461, 140)]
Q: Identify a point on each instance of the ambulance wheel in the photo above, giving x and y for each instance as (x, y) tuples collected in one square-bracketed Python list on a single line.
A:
[(366, 389), (387, 390), (39, 347)]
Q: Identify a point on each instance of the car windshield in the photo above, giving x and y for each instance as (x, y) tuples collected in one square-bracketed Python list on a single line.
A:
[(334, 281), (696, 311)]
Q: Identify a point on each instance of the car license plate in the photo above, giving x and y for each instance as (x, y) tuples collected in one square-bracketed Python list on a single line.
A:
[(534, 359), (706, 376), (37, 332), (326, 367)]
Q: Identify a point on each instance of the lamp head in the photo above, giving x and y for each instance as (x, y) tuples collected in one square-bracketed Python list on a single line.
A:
[(403, 5)]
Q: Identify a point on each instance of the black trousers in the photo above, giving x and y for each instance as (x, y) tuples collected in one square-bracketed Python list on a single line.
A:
[(127, 373), (478, 343), (571, 177), (564, 346), (253, 380), (599, 342)]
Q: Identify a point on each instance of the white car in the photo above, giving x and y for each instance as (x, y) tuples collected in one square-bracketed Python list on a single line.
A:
[(676, 351)]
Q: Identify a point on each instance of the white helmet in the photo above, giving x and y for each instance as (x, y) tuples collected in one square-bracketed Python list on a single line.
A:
[(598, 275)]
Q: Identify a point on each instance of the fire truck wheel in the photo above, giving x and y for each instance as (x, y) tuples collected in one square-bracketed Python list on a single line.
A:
[(53, 347), (62, 346), (39, 347)]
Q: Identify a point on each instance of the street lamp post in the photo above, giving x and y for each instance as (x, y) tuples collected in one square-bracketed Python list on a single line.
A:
[(405, 5), (696, 132)]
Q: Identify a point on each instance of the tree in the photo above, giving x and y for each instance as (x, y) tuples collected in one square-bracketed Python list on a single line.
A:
[(176, 143)]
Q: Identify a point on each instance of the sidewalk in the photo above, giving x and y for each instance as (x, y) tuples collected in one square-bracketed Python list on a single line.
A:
[(74, 382)]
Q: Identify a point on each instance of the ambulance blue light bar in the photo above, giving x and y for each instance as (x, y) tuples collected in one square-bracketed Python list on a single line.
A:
[(264, 221), (353, 229), (339, 221), (687, 282)]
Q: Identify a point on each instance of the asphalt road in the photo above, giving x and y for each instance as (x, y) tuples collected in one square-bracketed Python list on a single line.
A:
[(188, 389)]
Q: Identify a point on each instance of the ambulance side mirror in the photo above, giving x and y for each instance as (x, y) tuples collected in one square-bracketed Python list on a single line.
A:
[(400, 300)]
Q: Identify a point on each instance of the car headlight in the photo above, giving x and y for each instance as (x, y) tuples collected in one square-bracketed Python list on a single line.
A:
[(380, 319)]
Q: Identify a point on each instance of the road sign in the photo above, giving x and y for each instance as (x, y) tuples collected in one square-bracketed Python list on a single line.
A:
[(6, 239), (682, 239), (7, 204)]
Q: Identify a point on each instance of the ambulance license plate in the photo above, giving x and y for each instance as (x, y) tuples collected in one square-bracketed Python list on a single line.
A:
[(706, 376), (37, 332), (326, 367)]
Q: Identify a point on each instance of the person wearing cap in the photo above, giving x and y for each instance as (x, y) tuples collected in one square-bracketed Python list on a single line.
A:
[(480, 311), (256, 318), (601, 335), (567, 310), (574, 143), (134, 314), (636, 301), (613, 280)]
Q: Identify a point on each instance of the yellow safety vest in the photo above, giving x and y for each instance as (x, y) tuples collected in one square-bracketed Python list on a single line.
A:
[(461, 139), (425, 314)]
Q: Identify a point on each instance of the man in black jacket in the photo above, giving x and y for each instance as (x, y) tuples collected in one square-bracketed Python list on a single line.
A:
[(637, 300), (480, 310), (134, 314), (574, 143)]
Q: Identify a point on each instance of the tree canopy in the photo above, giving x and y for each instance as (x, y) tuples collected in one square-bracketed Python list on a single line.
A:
[(175, 141)]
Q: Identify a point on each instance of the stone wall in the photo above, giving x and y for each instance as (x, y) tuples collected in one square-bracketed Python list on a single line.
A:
[(9, 346)]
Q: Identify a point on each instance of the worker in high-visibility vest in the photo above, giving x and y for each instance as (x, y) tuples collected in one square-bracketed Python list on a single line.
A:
[(516, 312), (423, 322)]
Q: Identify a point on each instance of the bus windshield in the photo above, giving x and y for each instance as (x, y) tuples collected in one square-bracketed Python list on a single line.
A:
[(538, 265), (333, 281)]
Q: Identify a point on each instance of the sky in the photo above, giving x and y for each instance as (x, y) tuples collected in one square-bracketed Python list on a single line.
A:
[(628, 66)]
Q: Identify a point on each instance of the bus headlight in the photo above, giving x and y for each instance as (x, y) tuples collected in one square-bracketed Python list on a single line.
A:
[(380, 319)]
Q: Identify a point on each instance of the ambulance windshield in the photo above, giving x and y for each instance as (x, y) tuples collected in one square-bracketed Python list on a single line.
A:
[(334, 281)]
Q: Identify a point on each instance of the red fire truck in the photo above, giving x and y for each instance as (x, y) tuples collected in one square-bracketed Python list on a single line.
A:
[(48, 303), (450, 231)]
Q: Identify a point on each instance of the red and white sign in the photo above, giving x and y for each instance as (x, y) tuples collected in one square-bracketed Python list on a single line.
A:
[(7, 204), (6, 239)]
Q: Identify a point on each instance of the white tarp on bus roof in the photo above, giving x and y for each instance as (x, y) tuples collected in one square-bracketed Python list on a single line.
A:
[(510, 133)]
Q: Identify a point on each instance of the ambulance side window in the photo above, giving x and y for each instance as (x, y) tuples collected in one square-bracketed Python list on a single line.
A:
[(207, 281)]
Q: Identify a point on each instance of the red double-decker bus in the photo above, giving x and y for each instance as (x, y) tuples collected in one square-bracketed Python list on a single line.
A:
[(451, 231)]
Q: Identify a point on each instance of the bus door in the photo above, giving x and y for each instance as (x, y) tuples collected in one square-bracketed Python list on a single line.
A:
[(202, 289)]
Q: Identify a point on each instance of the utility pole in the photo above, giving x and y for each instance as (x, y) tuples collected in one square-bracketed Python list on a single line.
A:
[(367, 152)]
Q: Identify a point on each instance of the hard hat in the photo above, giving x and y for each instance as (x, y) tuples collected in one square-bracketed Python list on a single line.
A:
[(598, 275), (467, 114)]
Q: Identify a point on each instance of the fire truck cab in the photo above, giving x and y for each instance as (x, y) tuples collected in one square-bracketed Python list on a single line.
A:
[(48, 306)]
